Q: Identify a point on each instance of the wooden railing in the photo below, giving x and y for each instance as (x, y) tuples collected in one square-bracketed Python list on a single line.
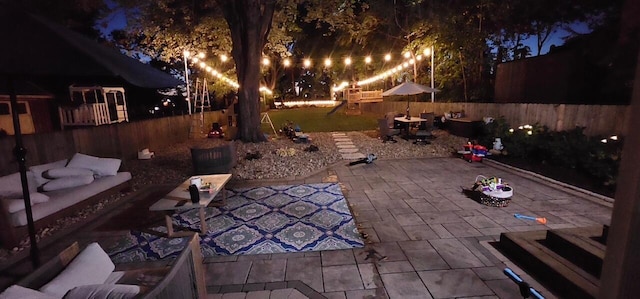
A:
[(85, 115), (371, 96), (365, 96)]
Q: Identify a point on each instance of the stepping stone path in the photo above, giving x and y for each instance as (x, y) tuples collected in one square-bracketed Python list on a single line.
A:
[(346, 148)]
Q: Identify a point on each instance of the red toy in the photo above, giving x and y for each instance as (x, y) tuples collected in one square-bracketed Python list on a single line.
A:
[(473, 152)]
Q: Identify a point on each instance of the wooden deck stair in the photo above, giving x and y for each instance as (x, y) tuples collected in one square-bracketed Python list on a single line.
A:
[(567, 261)]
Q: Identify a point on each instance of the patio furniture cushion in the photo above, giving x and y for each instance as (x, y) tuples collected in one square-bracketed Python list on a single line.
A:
[(11, 185), (56, 173), (61, 199), (37, 170), (99, 166), (17, 204), (91, 266), (103, 291), (68, 182), (16, 291)]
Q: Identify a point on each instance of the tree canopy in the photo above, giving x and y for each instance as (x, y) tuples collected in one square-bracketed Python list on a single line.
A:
[(470, 38)]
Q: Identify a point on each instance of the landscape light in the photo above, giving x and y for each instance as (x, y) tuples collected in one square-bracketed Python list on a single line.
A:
[(307, 62), (604, 140), (201, 55), (347, 61), (327, 62), (367, 59), (187, 53), (529, 132), (286, 62), (614, 137), (407, 54), (266, 61), (387, 57), (224, 58), (427, 52), (511, 130), (202, 64)]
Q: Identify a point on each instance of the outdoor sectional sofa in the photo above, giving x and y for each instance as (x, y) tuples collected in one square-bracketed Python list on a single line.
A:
[(56, 189)]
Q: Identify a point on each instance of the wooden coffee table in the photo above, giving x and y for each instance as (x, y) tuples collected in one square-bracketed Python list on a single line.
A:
[(179, 200)]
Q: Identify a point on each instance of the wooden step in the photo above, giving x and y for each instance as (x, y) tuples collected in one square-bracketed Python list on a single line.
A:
[(579, 246), (558, 273)]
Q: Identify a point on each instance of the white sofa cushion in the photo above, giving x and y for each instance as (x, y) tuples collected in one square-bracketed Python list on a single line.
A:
[(103, 291), (99, 166), (62, 172), (19, 292), (37, 170), (61, 199), (17, 204), (91, 266), (11, 185), (68, 182)]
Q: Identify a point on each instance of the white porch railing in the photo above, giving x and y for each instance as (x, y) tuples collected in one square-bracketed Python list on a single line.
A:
[(85, 115)]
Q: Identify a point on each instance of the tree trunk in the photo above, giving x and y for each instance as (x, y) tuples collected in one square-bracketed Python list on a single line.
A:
[(249, 22)]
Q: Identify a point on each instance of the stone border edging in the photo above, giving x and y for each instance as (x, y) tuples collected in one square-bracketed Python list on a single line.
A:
[(608, 201)]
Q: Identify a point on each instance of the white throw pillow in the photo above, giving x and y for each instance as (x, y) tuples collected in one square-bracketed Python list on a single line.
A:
[(103, 291), (17, 204), (62, 172), (100, 166), (19, 292), (11, 185), (68, 182), (91, 266), (37, 170)]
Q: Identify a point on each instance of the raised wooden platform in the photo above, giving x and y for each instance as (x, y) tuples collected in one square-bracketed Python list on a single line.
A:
[(567, 261)]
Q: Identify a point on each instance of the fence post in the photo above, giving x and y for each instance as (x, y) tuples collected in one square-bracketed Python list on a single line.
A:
[(560, 118)]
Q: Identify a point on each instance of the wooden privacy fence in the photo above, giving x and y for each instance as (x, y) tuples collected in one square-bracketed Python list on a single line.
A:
[(598, 120), (122, 140)]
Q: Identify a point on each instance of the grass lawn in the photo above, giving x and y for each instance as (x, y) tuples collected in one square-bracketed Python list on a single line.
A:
[(316, 120)]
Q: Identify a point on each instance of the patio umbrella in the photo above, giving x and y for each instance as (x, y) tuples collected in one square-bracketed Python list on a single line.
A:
[(37, 48), (407, 89)]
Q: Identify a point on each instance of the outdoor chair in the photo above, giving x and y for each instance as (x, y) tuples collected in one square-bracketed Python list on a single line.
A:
[(425, 129), (387, 133)]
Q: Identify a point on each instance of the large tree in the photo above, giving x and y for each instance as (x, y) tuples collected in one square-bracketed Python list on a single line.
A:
[(249, 22)]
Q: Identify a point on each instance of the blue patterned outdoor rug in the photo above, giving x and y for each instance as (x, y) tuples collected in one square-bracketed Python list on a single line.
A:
[(275, 219)]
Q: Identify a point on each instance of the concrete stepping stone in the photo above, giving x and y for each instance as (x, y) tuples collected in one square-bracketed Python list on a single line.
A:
[(340, 146), (338, 134), (342, 140), (347, 150)]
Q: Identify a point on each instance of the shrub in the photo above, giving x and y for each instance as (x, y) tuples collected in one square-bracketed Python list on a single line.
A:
[(569, 149)]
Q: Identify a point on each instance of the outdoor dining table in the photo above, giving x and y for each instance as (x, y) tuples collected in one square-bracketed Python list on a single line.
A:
[(406, 123)]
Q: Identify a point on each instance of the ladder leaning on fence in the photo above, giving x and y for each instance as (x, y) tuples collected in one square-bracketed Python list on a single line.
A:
[(201, 102)]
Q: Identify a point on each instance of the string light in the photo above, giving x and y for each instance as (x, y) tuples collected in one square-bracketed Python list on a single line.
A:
[(327, 62)]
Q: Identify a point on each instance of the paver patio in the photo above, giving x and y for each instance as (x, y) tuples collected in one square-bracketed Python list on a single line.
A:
[(435, 239)]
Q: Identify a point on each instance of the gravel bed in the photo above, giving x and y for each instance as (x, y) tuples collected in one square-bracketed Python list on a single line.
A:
[(280, 158)]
